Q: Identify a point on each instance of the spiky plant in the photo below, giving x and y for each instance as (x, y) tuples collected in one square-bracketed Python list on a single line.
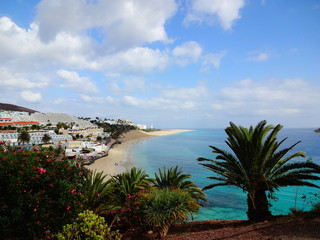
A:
[(97, 193), (163, 207), (174, 178)]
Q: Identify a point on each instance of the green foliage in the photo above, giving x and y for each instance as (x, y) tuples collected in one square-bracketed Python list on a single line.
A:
[(24, 136), (133, 191), (126, 186), (97, 193), (129, 183), (99, 139), (312, 199), (46, 138), (40, 191), (88, 226), (164, 207), (257, 165), (151, 130), (174, 178)]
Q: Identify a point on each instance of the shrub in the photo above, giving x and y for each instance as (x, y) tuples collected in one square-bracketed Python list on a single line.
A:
[(40, 191), (88, 226), (162, 208)]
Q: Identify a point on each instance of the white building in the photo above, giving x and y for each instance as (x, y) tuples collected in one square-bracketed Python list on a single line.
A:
[(35, 137), (10, 114), (54, 118)]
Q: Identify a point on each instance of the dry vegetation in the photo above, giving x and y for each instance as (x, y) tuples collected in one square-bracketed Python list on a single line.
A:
[(278, 229)]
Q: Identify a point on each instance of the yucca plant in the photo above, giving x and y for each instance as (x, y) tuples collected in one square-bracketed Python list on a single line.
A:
[(163, 207), (257, 166)]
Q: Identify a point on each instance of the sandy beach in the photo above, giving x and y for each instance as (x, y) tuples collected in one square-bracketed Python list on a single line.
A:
[(117, 161)]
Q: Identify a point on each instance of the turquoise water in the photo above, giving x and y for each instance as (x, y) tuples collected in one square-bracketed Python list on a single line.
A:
[(226, 202)]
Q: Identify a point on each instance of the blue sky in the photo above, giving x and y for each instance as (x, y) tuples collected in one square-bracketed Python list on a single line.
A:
[(170, 63)]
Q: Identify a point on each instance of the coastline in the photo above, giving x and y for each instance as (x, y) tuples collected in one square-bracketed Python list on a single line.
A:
[(118, 160)]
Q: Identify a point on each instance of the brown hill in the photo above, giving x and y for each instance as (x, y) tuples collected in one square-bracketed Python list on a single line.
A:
[(11, 107)]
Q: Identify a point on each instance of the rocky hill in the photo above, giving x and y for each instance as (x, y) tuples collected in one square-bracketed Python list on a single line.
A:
[(11, 107)]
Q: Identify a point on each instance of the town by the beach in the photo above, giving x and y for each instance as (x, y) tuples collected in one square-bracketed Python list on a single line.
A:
[(117, 160)]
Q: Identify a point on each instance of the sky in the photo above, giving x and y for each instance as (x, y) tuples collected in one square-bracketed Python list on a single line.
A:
[(170, 63)]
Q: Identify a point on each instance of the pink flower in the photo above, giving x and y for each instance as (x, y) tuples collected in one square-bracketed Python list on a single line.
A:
[(41, 170), (98, 194), (73, 191), (68, 208), (35, 210)]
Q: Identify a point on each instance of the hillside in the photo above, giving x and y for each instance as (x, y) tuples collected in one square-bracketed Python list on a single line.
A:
[(11, 107)]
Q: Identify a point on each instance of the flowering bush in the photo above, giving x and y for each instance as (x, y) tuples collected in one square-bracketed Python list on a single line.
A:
[(40, 191)]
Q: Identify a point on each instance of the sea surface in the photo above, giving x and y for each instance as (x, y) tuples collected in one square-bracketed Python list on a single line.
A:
[(225, 202)]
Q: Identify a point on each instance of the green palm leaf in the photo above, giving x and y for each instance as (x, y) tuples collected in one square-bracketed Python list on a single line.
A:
[(256, 165)]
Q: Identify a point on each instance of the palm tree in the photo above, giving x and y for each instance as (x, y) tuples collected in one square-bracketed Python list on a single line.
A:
[(97, 193), (99, 139), (24, 136), (174, 178), (129, 183), (46, 138), (258, 166)]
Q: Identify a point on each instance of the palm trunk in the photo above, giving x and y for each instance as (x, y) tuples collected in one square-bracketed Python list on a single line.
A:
[(258, 206)]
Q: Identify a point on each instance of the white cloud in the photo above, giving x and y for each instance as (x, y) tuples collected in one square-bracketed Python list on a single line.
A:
[(96, 99), (123, 23), (208, 10), (68, 50), (258, 57), (187, 53), (11, 80), (212, 59), (273, 97), (159, 103), (186, 93), (170, 99), (29, 96), (134, 60), (73, 81), (14, 80)]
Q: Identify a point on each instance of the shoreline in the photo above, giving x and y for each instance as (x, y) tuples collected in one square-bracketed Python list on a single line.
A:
[(118, 160)]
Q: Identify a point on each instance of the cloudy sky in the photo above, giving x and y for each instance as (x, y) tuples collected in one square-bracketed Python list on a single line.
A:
[(173, 63)]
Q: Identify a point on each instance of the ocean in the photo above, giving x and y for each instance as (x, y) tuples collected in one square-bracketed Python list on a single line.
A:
[(225, 202)]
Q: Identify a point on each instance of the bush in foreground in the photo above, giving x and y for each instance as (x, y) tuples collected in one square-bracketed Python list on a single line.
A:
[(88, 226), (40, 191), (164, 207)]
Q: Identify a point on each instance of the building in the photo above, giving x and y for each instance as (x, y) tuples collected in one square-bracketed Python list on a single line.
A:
[(85, 132), (18, 124), (10, 114), (141, 126), (11, 138), (54, 118)]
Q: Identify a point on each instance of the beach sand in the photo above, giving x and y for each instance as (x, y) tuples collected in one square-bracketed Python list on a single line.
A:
[(117, 160)]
